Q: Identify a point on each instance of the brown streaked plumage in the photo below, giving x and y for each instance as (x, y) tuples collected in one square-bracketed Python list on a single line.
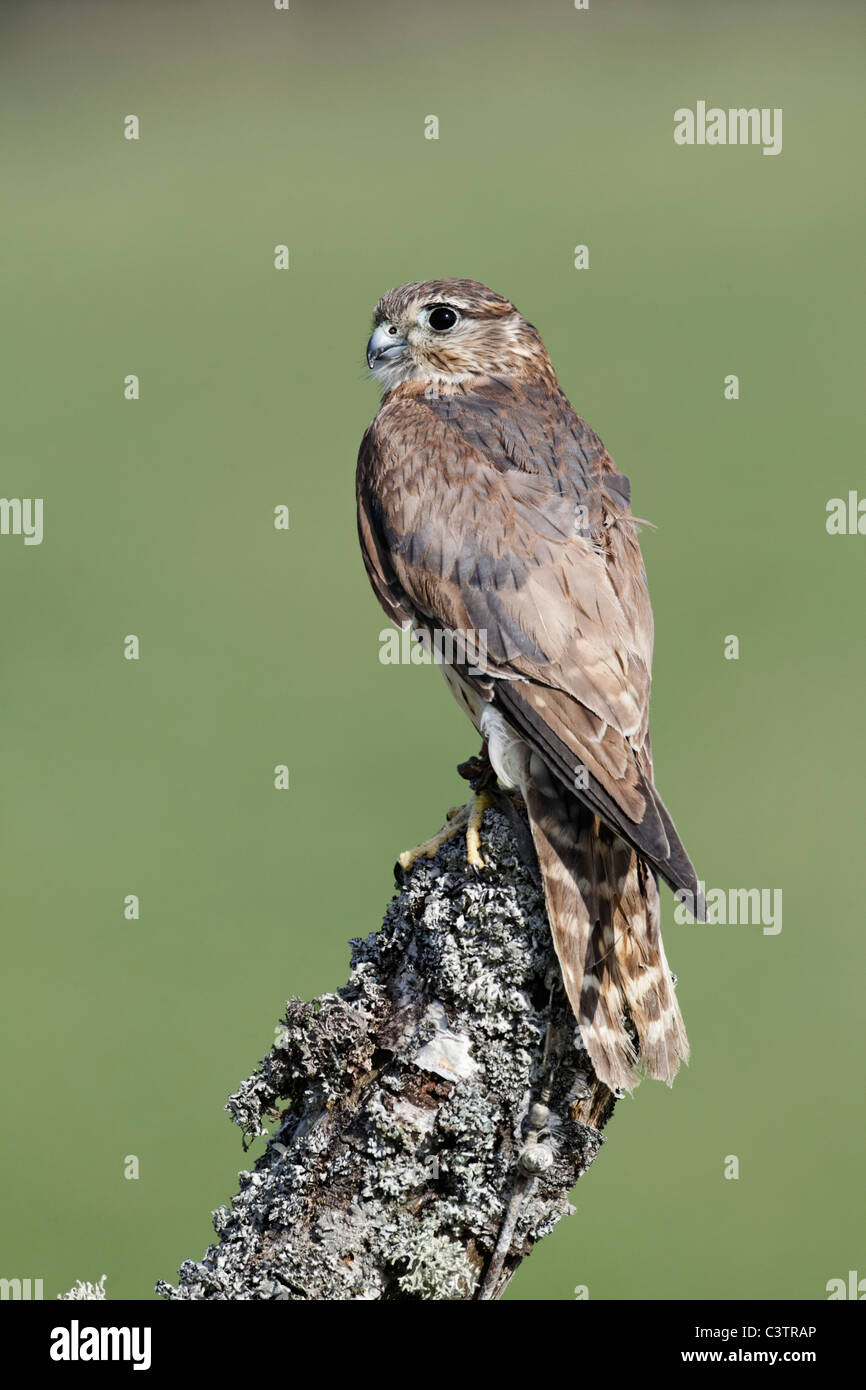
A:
[(486, 505)]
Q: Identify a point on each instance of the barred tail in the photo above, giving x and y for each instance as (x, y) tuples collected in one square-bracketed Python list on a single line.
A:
[(603, 906)]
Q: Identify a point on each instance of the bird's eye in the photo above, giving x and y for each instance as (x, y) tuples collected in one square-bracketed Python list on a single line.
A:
[(442, 317)]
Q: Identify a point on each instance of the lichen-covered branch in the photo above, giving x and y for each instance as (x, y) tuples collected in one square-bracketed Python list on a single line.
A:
[(430, 1117)]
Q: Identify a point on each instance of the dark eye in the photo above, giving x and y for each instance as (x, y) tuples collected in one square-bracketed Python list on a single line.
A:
[(441, 317)]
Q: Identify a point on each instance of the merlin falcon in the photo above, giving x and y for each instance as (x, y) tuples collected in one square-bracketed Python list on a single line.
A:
[(487, 506)]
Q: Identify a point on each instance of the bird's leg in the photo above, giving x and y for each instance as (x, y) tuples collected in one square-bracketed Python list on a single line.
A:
[(481, 777), (479, 773)]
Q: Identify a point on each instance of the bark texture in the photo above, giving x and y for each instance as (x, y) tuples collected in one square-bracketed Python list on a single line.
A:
[(430, 1118)]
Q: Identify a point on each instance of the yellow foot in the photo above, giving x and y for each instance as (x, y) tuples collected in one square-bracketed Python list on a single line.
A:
[(460, 818)]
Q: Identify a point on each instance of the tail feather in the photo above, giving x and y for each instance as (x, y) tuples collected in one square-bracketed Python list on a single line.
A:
[(646, 976), (603, 905)]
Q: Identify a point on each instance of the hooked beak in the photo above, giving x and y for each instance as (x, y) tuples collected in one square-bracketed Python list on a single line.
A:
[(385, 345)]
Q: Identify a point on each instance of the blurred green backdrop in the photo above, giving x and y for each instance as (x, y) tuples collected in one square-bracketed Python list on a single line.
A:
[(259, 647)]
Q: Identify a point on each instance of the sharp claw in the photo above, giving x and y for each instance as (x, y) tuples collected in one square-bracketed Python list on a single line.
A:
[(470, 817)]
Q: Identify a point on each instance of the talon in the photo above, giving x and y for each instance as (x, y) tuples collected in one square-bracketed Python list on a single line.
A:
[(468, 818), (477, 807)]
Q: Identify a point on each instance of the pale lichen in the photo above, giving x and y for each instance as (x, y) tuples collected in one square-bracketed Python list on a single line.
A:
[(401, 1102), (81, 1289)]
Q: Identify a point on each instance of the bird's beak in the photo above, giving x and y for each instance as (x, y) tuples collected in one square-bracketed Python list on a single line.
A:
[(384, 345)]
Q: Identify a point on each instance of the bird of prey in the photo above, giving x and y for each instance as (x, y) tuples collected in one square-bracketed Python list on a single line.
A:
[(487, 506)]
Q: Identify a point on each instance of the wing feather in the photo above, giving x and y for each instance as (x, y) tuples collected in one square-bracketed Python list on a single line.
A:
[(495, 510)]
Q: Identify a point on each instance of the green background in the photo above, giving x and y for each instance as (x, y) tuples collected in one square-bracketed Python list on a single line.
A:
[(260, 647)]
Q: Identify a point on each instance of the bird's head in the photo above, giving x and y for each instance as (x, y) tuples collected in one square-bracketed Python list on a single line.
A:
[(443, 332)]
